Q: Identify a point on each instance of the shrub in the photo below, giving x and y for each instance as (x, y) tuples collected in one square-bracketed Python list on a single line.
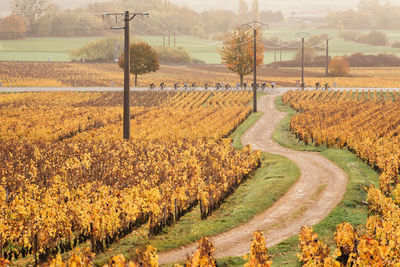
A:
[(373, 38), (396, 44), (170, 55), (104, 50), (380, 60), (309, 54), (350, 35), (339, 66)]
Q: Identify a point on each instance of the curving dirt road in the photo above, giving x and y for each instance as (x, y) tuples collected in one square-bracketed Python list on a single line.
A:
[(320, 188)]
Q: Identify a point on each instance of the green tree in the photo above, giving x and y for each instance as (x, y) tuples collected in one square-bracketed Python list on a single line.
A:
[(238, 52), (143, 59)]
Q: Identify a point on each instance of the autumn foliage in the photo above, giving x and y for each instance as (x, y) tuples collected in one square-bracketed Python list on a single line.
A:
[(367, 123), (339, 67), (69, 177), (238, 52), (258, 252), (12, 27)]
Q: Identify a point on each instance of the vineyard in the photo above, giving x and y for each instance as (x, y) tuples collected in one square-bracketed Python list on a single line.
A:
[(53, 74), (68, 177), (366, 123)]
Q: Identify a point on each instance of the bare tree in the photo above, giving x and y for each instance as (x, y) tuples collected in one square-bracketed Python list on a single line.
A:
[(30, 9)]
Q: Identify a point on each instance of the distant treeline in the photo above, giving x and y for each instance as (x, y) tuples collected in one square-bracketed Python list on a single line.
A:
[(165, 18), (370, 14)]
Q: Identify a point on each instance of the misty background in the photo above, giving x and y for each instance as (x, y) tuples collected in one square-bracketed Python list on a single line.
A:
[(287, 6)]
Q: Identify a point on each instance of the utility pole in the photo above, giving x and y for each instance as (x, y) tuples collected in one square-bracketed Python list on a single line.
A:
[(127, 18), (327, 58), (302, 35), (255, 25)]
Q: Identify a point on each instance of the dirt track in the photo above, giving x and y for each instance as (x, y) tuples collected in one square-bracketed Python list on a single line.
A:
[(320, 188)]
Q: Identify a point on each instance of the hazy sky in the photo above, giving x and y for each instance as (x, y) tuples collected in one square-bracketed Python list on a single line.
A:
[(287, 6)]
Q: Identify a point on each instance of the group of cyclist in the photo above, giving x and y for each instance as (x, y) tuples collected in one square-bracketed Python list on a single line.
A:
[(218, 86)]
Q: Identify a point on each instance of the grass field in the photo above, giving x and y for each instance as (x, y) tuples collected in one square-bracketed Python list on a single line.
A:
[(40, 49)]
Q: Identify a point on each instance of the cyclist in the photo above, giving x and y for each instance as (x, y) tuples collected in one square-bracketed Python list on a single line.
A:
[(162, 85)]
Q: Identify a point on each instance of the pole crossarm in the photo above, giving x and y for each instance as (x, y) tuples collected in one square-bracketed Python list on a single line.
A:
[(255, 25), (122, 14), (302, 34)]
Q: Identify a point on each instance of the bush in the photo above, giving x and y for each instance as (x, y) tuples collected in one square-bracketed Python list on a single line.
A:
[(380, 60), (339, 67), (309, 54), (350, 35), (104, 50), (179, 55), (396, 44), (373, 38)]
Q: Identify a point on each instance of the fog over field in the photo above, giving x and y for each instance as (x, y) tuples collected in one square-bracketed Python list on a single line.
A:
[(287, 6)]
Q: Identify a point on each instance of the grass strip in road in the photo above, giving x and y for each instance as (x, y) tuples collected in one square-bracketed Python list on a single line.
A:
[(351, 209), (270, 182)]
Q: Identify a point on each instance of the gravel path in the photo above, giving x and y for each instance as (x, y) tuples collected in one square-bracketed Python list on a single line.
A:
[(320, 188)]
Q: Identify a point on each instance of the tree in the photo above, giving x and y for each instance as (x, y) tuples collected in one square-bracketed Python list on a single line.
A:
[(238, 52), (242, 12), (143, 59), (12, 27), (255, 10), (339, 67), (30, 9)]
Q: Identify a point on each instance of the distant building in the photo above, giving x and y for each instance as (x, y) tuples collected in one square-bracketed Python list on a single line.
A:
[(307, 18)]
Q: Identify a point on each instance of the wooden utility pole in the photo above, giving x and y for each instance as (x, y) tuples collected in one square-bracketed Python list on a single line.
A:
[(255, 25), (302, 35), (127, 115), (127, 18)]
